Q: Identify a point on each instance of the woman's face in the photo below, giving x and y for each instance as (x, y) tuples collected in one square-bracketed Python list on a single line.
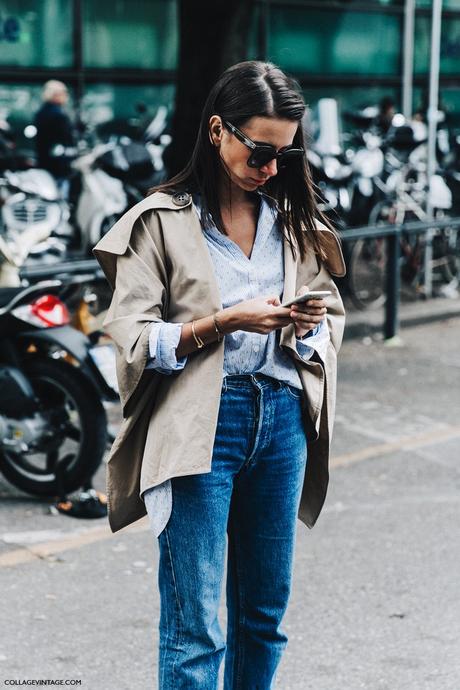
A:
[(234, 154)]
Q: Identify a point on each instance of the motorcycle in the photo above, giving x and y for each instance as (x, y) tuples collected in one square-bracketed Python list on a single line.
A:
[(138, 162), (101, 200), (404, 190), (34, 219), (115, 175), (53, 425)]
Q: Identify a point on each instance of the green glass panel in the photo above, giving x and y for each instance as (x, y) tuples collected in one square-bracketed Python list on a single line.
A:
[(105, 102), (36, 34), (18, 105), (337, 42), (382, 3), (334, 3), (446, 4), (449, 103), (450, 45), (253, 37), (101, 103), (349, 99), (120, 33)]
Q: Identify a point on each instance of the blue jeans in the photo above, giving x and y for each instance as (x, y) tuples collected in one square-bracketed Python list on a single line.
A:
[(252, 494)]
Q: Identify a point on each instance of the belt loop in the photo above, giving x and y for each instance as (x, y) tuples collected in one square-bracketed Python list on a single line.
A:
[(259, 382), (224, 384)]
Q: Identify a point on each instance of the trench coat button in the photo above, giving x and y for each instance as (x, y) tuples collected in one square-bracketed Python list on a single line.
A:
[(181, 198)]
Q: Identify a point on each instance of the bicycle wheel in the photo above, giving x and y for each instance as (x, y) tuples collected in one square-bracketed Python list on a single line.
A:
[(368, 259), (367, 273), (446, 254)]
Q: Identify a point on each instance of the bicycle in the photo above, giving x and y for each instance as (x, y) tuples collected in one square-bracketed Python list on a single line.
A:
[(404, 196)]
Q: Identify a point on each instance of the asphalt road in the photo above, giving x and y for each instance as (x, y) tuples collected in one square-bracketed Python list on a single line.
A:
[(375, 601)]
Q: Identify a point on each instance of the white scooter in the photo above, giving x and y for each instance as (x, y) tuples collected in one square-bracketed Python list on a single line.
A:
[(102, 199), (34, 223)]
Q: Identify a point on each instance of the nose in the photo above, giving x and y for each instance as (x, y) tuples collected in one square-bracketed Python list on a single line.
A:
[(270, 168)]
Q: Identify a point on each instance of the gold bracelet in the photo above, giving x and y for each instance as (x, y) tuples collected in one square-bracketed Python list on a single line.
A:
[(198, 340), (220, 335)]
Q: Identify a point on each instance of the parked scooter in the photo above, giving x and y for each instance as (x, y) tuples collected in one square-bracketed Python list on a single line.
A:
[(404, 189), (138, 163), (344, 174), (101, 201), (34, 219), (53, 426)]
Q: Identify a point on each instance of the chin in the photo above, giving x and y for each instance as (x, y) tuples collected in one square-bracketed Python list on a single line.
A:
[(247, 184)]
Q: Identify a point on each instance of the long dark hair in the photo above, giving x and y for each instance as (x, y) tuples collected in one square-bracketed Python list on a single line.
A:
[(246, 90)]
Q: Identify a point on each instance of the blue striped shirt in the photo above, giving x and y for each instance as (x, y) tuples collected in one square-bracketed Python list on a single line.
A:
[(239, 278)]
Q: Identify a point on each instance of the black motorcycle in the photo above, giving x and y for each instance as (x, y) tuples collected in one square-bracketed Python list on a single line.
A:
[(53, 425)]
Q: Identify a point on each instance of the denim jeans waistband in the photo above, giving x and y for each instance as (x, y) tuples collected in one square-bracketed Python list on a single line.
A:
[(252, 381)]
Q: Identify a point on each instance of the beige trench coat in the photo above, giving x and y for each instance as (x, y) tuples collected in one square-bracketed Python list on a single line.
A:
[(157, 262)]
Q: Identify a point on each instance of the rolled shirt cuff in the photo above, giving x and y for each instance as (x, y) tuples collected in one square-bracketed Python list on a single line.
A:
[(316, 340), (164, 338)]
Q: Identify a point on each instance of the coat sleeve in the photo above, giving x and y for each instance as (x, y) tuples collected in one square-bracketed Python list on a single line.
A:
[(335, 308), (333, 266), (139, 281), (322, 279)]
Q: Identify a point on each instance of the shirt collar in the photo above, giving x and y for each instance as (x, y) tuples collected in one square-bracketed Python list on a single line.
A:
[(268, 211)]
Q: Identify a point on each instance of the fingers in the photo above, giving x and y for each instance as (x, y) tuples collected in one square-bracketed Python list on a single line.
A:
[(307, 325), (305, 320), (274, 324), (312, 304), (308, 309), (313, 311)]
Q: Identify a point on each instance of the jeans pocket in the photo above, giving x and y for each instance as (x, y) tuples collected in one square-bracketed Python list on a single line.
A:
[(293, 392)]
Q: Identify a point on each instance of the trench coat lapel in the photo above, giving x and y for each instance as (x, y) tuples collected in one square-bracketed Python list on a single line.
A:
[(203, 259), (287, 336)]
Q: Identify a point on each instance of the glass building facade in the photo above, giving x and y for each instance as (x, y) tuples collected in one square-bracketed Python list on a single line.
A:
[(114, 54)]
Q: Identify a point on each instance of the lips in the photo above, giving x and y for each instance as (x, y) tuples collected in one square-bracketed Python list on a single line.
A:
[(259, 181)]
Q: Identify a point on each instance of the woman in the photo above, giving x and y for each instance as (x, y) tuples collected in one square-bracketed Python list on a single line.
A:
[(222, 388)]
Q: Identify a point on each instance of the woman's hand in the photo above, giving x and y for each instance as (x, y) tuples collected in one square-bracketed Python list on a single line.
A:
[(307, 315), (258, 315)]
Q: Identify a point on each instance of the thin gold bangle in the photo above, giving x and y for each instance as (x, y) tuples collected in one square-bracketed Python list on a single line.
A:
[(198, 340)]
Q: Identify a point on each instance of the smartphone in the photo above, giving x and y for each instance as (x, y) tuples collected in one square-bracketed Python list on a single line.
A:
[(312, 294)]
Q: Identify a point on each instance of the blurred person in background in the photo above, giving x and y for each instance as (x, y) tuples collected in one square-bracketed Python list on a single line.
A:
[(387, 111), (55, 139)]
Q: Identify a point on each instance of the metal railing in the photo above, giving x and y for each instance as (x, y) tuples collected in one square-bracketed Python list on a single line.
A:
[(90, 269), (393, 233), (63, 269)]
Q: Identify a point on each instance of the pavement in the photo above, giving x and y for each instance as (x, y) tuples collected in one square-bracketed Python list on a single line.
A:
[(412, 312), (375, 600)]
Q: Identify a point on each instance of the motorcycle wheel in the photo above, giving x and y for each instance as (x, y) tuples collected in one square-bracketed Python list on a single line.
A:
[(75, 437)]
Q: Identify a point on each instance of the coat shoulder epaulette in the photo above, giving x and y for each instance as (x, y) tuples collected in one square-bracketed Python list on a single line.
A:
[(116, 239)]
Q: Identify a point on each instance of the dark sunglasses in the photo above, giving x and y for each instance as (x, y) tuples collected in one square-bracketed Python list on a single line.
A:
[(264, 153)]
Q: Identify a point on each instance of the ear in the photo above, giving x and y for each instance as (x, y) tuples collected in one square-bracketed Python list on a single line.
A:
[(215, 130)]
